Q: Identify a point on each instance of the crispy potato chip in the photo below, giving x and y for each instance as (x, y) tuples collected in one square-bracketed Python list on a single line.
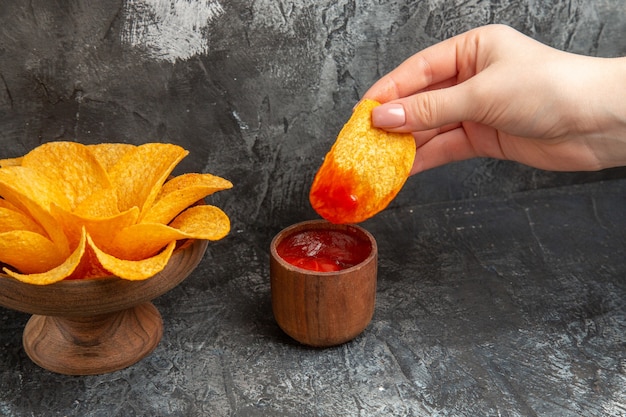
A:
[(11, 162), (33, 193), (139, 175), (20, 185), (73, 211), (71, 167), (89, 267), (181, 192), (55, 274), (8, 205), (15, 220), (109, 153), (363, 171), (203, 222), (28, 251), (142, 240), (101, 229), (102, 203), (134, 270), (145, 239)]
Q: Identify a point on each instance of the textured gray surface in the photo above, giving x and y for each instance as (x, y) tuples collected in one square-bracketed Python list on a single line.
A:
[(494, 306), (491, 301)]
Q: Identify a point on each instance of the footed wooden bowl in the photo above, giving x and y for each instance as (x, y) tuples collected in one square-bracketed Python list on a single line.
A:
[(95, 326)]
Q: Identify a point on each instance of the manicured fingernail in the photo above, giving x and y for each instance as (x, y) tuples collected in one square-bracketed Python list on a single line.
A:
[(388, 115)]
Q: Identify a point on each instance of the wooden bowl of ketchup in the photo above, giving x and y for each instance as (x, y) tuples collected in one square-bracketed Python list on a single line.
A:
[(323, 281)]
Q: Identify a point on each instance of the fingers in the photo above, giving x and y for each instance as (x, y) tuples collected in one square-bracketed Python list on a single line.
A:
[(423, 92), (428, 110), (433, 65), (450, 146)]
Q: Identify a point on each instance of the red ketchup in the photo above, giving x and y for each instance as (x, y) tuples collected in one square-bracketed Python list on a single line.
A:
[(324, 250)]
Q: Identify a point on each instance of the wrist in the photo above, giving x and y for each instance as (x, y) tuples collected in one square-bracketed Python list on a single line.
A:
[(605, 119)]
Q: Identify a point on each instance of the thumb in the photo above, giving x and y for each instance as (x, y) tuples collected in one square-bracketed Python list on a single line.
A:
[(426, 110)]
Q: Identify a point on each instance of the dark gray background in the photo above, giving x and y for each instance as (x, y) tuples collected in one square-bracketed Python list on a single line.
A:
[(266, 100), (501, 287)]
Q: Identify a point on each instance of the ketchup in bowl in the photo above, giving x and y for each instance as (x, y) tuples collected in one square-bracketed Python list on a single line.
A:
[(324, 250)]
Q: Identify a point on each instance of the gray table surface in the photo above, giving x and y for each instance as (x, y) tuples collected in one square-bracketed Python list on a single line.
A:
[(499, 306)]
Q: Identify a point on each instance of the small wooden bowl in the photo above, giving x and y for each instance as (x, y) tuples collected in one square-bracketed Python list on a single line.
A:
[(95, 326), (323, 309)]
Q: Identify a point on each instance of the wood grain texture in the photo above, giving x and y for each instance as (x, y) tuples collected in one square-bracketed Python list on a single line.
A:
[(98, 296), (88, 327), (323, 309), (93, 345)]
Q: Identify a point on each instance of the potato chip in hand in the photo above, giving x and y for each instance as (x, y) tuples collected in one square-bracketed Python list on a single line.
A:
[(363, 171)]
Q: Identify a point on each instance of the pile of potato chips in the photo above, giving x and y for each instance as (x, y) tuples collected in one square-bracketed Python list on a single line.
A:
[(73, 211)]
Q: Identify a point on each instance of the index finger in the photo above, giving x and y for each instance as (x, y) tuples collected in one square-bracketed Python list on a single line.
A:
[(432, 65)]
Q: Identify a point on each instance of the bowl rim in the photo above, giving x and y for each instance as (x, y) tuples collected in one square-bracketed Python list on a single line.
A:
[(99, 295)]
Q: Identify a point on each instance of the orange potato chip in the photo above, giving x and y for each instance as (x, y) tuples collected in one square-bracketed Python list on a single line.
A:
[(139, 175), (24, 186), (29, 252), (6, 204), (145, 239), (102, 203), (15, 220), (134, 270), (73, 211), (142, 240), (363, 171), (33, 193), (55, 274), (71, 167), (203, 222), (89, 267), (102, 229), (181, 192), (109, 153), (10, 162)]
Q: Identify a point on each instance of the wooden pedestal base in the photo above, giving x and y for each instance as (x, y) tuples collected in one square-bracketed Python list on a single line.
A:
[(93, 345)]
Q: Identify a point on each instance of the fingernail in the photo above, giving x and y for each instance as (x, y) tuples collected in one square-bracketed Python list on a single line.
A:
[(388, 115)]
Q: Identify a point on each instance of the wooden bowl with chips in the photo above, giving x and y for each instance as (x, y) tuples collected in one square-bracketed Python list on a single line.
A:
[(96, 326)]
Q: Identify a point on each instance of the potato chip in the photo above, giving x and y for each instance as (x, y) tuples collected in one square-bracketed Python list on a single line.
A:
[(33, 193), (55, 274), (15, 220), (73, 211), (71, 167), (10, 162), (102, 203), (139, 175), (8, 205), (181, 192), (109, 153), (134, 270), (142, 240), (89, 267), (28, 251), (145, 239), (101, 229), (363, 171), (203, 222)]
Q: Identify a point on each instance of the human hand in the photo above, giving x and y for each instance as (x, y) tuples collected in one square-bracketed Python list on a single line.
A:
[(493, 92)]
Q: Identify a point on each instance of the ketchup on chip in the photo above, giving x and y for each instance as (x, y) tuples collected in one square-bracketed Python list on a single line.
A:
[(363, 171)]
